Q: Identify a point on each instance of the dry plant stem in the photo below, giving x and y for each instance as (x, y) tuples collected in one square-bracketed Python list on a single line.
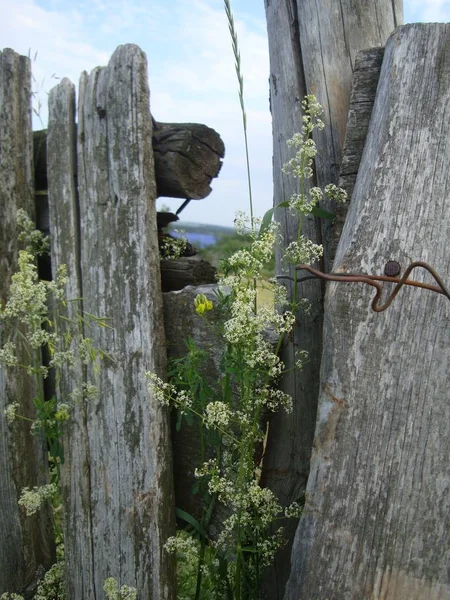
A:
[(237, 58)]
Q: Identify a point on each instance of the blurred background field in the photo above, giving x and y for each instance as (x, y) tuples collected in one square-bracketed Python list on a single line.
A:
[(214, 243)]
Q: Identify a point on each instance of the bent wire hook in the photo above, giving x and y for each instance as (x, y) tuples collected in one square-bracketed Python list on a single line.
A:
[(374, 280)]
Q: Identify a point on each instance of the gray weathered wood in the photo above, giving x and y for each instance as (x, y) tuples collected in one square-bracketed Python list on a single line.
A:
[(187, 157), (365, 80), (312, 46), (177, 274), (127, 462), (26, 543), (183, 323), (377, 516), (331, 35), (65, 242)]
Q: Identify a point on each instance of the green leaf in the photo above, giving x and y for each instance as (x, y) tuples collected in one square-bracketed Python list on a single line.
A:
[(265, 223), (323, 214), (184, 516), (267, 218), (250, 549)]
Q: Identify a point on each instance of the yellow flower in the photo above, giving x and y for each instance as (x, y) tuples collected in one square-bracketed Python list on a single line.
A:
[(202, 304)]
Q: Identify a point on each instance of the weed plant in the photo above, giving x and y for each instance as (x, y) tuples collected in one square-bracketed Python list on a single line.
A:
[(229, 415)]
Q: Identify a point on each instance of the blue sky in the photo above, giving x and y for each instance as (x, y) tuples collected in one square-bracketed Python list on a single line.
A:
[(191, 71)]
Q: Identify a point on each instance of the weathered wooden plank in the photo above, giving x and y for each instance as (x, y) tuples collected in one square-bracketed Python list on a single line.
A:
[(65, 242), (365, 80), (331, 35), (128, 473), (26, 543), (377, 516), (312, 47), (286, 459)]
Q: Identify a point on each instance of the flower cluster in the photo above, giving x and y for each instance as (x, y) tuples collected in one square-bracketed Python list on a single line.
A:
[(53, 585), (11, 412), (173, 248), (303, 252), (32, 500), (112, 591), (202, 304), (232, 412), (35, 241), (167, 394)]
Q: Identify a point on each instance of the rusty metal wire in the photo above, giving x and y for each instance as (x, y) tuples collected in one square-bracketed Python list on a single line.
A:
[(374, 280)]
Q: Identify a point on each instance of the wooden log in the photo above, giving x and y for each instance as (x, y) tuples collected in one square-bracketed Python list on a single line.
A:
[(187, 157), (376, 521), (26, 543), (130, 509), (177, 274), (312, 47)]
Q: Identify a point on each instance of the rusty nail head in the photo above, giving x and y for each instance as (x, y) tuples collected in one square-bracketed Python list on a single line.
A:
[(392, 268)]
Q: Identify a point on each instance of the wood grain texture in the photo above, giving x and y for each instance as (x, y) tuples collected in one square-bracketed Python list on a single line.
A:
[(286, 459), (331, 35), (65, 242), (177, 274), (377, 516), (26, 543), (125, 459), (187, 157), (183, 323), (364, 87), (312, 47)]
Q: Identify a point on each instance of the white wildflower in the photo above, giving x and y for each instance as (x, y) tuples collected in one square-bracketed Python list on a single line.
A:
[(32, 500), (303, 252), (293, 511), (112, 591), (217, 414), (335, 193), (173, 247), (8, 355), (11, 411)]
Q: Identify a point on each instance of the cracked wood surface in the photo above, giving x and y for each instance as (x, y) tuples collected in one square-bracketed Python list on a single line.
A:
[(26, 543), (187, 156), (377, 515), (118, 478), (312, 47)]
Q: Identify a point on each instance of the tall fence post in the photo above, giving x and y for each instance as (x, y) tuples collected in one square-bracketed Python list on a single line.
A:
[(377, 516), (26, 543), (312, 47), (118, 478)]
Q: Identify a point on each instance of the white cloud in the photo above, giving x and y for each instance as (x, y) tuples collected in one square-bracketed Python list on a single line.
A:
[(427, 12), (191, 70)]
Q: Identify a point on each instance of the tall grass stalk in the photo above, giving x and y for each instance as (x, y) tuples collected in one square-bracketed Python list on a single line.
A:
[(237, 64)]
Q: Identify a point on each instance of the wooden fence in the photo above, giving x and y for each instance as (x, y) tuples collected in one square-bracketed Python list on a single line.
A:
[(101, 176), (376, 517)]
